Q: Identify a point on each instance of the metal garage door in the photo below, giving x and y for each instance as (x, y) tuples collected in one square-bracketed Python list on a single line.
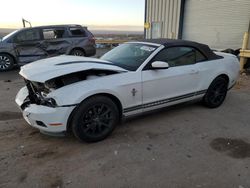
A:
[(218, 23)]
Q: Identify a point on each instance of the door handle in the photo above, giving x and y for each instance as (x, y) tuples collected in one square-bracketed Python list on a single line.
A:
[(194, 71)]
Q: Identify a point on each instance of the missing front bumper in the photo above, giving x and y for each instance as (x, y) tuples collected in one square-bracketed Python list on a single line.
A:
[(34, 114)]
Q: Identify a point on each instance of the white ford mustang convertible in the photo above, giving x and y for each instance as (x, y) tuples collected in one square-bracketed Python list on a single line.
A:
[(90, 96)]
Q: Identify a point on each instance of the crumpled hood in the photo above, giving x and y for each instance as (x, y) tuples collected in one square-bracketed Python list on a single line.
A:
[(46, 69)]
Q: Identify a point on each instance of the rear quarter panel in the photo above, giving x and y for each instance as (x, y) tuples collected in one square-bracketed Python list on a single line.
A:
[(83, 43), (209, 70)]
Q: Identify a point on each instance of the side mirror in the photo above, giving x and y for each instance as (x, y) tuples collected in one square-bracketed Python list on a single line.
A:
[(160, 65)]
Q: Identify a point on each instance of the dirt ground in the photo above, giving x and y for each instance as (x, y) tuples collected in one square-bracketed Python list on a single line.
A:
[(183, 146)]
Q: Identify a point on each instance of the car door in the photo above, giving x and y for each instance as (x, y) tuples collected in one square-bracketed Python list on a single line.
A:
[(55, 42), (179, 82), (28, 46)]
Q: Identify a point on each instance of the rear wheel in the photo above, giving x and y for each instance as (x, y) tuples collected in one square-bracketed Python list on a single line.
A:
[(95, 119), (77, 52), (6, 62), (216, 93)]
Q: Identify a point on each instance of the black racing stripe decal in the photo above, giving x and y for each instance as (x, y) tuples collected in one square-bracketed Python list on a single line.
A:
[(96, 62), (164, 101), (133, 108), (75, 62), (201, 92)]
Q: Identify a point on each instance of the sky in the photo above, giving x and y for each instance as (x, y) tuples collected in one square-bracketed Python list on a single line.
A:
[(116, 14)]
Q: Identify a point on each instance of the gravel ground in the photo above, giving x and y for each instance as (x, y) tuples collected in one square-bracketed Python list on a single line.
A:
[(182, 146)]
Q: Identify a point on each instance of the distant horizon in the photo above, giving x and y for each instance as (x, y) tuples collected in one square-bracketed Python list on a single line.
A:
[(96, 30), (137, 28)]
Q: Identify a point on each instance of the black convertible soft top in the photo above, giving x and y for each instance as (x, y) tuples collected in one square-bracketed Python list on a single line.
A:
[(203, 48)]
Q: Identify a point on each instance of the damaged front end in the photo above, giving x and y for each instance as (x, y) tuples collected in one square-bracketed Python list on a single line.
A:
[(71, 78), (38, 92), (45, 101)]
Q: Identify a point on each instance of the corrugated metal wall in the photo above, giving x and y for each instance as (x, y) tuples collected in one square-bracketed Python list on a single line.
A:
[(218, 23), (167, 14)]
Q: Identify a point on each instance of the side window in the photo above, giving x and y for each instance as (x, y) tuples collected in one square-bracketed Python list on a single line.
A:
[(176, 56), (28, 35), (200, 57), (76, 32), (53, 33)]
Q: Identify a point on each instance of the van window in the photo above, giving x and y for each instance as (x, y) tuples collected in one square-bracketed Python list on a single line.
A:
[(53, 33), (28, 35), (76, 31)]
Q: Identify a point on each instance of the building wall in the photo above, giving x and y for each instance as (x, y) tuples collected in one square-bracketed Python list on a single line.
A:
[(163, 15), (218, 23)]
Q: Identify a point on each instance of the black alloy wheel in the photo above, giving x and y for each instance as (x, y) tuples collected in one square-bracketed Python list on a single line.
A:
[(216, 93), (95, 119)]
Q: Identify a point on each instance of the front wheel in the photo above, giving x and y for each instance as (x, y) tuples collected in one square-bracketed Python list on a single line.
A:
[(95, 119), (6, 62), (216, 93)]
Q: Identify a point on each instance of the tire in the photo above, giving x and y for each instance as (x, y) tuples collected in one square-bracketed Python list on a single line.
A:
[(77, 52), (95, 119), (6, 62), (216, 93)]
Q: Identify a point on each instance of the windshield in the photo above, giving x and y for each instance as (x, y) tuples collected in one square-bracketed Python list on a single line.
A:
[(9, 35), (129, 56)]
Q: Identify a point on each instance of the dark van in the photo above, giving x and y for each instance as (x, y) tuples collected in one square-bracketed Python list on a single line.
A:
[(31, 44)]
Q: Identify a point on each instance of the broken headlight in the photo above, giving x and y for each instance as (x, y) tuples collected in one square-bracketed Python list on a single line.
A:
[(50, 102)]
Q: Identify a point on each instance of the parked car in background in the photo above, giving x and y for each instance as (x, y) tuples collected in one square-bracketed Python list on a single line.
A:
[(89, 96), (31, 44)]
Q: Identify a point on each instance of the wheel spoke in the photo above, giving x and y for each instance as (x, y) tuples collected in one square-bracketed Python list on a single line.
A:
[(86, 122), (105, 124), (101, 109), (105, 113), (90, 113), (87, 129), (95, 109)]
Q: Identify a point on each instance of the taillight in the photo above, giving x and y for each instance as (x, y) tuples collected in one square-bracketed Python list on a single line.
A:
[(92, 39)]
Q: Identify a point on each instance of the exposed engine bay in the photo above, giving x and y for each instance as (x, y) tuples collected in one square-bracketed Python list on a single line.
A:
[(38, 91), (68, 79)]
